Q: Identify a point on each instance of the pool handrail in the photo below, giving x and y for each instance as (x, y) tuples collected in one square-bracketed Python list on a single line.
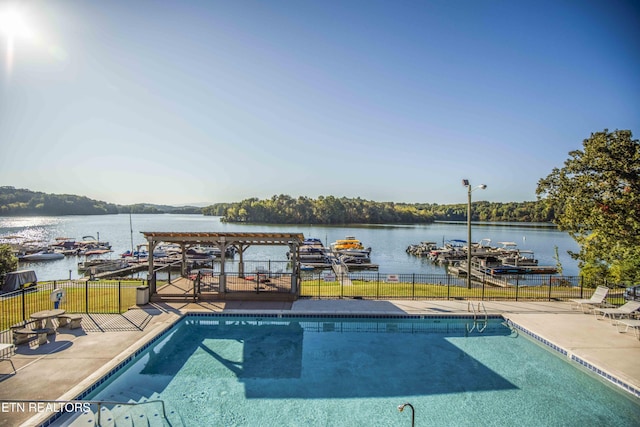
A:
[(470, 307)]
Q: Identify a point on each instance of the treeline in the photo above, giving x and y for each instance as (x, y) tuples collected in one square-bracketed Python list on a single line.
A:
[(533, 211), (281, 209), (145, 208), (17, 202), (284, 209), (21, 202)]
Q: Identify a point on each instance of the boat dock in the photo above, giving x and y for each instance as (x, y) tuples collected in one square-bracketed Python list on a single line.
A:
[(123, 272), (130, 269), (329, 265), (501, 280)]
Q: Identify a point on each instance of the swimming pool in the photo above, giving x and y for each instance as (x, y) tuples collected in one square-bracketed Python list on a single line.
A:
[(319, 371)]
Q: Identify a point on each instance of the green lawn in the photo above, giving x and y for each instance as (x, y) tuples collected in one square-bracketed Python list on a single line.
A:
[(379, 290), (99, 297)]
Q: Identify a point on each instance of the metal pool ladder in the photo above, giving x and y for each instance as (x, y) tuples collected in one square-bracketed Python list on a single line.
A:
[(478, 324)]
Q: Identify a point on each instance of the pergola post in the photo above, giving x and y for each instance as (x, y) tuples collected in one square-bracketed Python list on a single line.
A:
[(183, 268), (293, 248), (152, 279), (223, 276), (241, 249)]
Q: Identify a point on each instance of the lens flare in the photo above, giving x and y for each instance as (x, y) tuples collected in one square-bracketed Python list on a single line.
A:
[(13, 25)]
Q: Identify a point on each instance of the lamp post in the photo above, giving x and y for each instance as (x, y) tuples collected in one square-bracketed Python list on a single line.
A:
[(465, 182)]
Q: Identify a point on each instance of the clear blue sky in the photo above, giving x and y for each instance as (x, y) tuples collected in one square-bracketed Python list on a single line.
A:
[(212, 101)]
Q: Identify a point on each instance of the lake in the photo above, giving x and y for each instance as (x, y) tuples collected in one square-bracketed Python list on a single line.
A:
[(388, 242)]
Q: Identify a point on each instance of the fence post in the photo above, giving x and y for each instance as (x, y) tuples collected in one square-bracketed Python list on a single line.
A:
[(86, 296), (413, 285), (24, 304), (517, 286), (378, 285), (196, 286), (119, 296), (581, 285), (549, 288)]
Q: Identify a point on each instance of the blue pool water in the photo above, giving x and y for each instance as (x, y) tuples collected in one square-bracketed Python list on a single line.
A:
[(244, 371)]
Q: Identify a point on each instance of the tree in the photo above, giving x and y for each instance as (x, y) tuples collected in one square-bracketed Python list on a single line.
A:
[(596, 199), (8, 261)]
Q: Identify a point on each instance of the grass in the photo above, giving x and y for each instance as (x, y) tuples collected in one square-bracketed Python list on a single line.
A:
[(118, 296), (382, 290), (98, 297)]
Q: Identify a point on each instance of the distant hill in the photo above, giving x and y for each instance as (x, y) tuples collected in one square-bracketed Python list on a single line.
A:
[(148, 208), (23, 202), (281, 209)]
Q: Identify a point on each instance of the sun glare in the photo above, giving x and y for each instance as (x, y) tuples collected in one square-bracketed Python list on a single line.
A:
[(13, 25)]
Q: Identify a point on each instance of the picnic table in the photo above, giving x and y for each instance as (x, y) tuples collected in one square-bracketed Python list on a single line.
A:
[(47, 317)]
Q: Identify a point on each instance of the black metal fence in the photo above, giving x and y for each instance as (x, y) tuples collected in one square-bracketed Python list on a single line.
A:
[(107, 296), (110, 296), (375, 285)]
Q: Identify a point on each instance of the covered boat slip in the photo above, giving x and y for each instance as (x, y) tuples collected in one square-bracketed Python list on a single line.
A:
[(222, 241), (18, 279)]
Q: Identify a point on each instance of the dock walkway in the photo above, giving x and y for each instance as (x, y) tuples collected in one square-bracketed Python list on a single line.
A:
[(342, 271)]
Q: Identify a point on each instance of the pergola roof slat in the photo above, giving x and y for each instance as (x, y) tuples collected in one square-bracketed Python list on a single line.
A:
[(229, 238)]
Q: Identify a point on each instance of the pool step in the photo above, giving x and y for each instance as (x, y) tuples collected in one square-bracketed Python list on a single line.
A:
[(89, 419), (148, 415)]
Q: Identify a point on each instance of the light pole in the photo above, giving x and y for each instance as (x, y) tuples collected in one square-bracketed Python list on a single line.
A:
[(465, 182)]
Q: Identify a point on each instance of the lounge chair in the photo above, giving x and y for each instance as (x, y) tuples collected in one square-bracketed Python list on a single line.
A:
[(6, 351), (596, 300), (629, 323), (624, 311)]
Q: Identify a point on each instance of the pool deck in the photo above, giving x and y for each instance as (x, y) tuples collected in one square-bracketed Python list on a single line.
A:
[(73, 359)]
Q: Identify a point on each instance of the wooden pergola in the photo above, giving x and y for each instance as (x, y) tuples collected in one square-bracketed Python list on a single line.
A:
[(222, 241)]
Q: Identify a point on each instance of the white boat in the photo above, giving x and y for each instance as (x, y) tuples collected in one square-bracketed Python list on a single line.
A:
[(311, 250), (42, 256), (355, 253)]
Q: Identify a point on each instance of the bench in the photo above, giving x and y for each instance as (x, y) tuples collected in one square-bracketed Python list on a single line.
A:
[(24, 335), (71, 320)]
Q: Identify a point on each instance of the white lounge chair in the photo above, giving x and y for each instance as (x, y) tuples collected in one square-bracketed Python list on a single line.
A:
[(596, 300), (6, 351), (624, 311), (629, 323)]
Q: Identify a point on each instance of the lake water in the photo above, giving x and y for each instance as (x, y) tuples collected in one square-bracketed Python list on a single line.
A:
[(388, 242)]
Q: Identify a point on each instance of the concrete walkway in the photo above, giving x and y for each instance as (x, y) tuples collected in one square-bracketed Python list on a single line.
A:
[(74, 359)]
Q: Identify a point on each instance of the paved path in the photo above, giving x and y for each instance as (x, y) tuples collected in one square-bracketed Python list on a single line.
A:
[(74, 359)]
